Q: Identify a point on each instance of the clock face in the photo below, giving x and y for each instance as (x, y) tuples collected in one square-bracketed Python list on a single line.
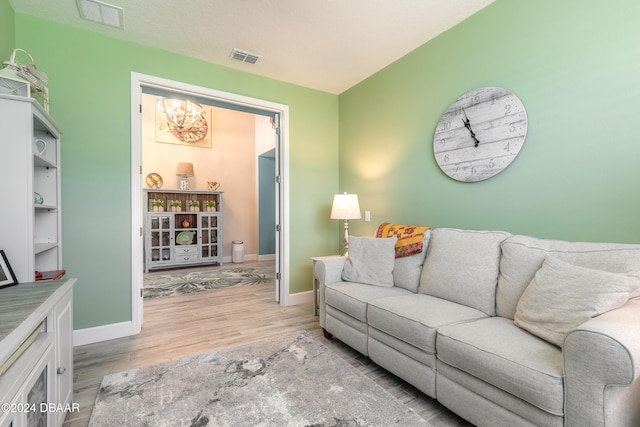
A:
[(480, 134)]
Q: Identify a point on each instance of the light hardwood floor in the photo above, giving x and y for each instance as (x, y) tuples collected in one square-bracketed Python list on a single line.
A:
[(197, 323)]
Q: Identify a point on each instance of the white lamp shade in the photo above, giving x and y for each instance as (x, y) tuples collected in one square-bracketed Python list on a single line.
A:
[(345, 206)]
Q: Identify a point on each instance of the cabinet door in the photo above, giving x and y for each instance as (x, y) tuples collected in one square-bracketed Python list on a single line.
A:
[(159, 238), (210, 244), (64, 354), (38, 393)]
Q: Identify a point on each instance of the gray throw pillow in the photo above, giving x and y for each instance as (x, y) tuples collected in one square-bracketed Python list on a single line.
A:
[(462, 266), (562, 296), (370, 261)]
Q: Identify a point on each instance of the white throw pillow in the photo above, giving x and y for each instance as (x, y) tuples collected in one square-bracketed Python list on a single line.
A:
[(370, 261), (562, 296)]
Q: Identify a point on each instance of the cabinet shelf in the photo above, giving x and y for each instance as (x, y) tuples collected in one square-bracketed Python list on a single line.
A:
[(43, 247), (41, 162), (50, 208)]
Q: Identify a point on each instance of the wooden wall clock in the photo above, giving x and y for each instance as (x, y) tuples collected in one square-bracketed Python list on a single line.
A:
[(480, 134)]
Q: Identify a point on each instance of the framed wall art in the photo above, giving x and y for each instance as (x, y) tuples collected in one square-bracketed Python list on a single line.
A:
[(7, 277)]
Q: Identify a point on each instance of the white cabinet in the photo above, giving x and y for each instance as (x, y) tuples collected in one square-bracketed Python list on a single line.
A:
[(36, 354), (182, 228), (30, 230)]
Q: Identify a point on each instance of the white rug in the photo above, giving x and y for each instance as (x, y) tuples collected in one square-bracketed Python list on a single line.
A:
[(294, 381)]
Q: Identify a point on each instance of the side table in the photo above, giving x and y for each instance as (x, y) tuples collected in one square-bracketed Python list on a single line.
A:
[(316, 281)]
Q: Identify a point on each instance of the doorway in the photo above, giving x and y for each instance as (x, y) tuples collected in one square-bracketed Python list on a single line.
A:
[(278, 114)]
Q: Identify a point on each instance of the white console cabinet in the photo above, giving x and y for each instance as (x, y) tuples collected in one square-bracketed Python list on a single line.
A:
[(182, 228), (36, 354)]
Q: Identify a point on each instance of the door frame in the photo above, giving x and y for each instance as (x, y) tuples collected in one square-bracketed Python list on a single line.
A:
[(282, 191)]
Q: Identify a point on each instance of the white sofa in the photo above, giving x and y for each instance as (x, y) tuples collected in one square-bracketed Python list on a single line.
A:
[(504, 330)]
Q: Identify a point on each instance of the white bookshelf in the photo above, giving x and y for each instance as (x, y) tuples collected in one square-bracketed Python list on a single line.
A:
[(30, 233)]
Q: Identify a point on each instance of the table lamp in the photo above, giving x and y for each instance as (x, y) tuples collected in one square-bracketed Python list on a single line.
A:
[(345, 207), (184, 171)]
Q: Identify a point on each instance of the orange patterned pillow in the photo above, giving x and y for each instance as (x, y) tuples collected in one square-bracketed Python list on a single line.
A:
[(410, 237)]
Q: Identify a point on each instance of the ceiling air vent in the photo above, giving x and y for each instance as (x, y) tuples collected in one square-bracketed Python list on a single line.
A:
[(240, 55), (103, 13)]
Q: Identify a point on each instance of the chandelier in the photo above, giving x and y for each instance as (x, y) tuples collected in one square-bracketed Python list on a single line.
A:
[(181, 113)]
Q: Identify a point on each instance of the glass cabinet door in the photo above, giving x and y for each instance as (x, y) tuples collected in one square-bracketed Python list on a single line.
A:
[(159, 236), (37, 396), (210, 247)]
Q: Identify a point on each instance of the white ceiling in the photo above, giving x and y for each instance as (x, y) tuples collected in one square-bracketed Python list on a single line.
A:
[(329, 45)]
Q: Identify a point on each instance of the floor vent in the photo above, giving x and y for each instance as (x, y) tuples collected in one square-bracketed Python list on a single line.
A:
[(103, 13), (239, 55)]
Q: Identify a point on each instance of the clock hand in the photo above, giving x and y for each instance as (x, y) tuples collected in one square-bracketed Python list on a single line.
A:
[(468, 126)]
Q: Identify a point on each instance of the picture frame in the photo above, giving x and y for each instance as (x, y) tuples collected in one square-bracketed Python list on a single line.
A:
[(7, 277), (199, 135)]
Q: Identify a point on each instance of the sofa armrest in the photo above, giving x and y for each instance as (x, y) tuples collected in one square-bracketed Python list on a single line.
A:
[(602, 367), (327, 270)]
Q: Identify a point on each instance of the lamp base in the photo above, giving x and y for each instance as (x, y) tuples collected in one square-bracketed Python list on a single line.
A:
[(346, 238), (184, 183)]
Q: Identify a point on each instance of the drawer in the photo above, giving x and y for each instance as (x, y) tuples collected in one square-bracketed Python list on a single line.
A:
[(186, 258), (182, 250)]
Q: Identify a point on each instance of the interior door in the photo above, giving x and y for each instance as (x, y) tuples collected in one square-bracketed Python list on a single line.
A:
[(279, 232)]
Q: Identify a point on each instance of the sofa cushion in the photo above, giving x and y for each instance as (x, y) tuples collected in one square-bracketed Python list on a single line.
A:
[(522, 257), (407, 269), (562, 296), (462, 266), (370, 261), (415, 319), (352, 298), (499, 353)]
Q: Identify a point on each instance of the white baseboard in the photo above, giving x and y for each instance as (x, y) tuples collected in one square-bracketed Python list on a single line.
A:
[(299, 298), (103, 333), (267, 257)]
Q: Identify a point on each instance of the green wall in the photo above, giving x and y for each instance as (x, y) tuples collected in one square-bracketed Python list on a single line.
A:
[(577, 70), (90, 99), (7, 30)]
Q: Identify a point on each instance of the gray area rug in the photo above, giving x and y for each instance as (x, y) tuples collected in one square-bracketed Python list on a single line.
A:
[(162, 285), (294, 381)]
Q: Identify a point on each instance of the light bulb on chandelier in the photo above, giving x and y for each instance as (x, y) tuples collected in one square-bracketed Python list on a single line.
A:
[(181, 113)]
